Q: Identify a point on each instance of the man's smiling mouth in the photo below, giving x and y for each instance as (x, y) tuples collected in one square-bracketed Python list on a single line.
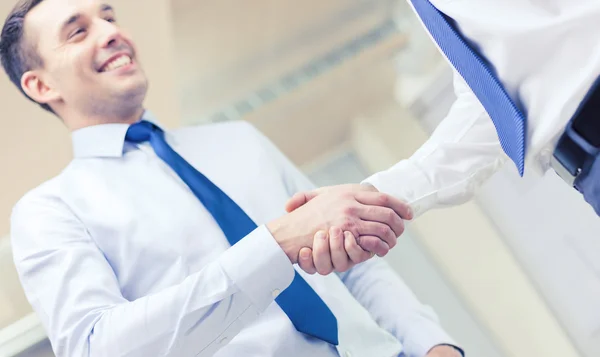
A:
[(116, 63)]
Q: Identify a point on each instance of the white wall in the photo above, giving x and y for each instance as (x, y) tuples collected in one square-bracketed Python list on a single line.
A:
[(555, 236)]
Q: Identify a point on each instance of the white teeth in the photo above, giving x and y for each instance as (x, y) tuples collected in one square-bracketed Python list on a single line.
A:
[(118, 62)]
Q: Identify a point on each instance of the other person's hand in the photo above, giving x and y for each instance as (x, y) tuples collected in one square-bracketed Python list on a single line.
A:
[(302, 198), (373, 216)]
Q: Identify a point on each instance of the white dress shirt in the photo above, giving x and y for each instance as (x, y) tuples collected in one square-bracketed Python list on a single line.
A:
[(547, 56), (119, 258)]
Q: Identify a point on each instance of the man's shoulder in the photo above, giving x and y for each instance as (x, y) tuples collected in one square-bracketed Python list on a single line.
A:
[(45, 195)]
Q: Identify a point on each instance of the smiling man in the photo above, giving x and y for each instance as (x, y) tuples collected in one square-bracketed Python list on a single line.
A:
[(154, 243), (79, 76)]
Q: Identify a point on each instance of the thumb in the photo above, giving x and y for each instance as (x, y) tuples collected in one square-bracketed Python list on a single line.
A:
[(298, 200)]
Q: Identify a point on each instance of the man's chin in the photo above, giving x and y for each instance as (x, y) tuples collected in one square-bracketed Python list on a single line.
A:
[(133, 89)]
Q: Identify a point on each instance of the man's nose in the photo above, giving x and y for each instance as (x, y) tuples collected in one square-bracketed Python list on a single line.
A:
[(111, 35)]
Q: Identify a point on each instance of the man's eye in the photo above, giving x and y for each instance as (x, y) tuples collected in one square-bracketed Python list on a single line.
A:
[(77, 32), (111, 19)]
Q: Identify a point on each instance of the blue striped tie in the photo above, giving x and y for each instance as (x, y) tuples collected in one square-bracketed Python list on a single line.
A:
[(509, 121), (306, 310)]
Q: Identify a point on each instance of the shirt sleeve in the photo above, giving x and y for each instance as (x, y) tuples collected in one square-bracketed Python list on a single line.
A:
[(75, 292), (393, 305), (461, 154)]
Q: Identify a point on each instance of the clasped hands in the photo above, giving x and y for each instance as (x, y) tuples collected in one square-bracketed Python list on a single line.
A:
[(334, 228)]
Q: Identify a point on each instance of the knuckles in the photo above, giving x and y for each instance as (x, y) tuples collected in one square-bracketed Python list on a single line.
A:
[(349, 224), (391, 216), (382, 200), (383, 231), (350, 210)]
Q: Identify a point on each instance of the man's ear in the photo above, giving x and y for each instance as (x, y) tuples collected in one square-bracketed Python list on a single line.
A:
[(37, 89)]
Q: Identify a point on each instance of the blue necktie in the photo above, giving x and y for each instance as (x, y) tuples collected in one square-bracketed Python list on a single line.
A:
[(307, 312), (509, 121)]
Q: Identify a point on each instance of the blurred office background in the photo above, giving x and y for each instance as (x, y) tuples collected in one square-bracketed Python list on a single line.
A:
[(344, 88)]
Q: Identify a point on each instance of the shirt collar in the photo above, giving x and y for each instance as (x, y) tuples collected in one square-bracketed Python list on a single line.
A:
[(104, 140)]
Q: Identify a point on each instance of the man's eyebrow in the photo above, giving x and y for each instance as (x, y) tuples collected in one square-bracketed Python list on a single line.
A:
[(71, 20), (74, 18)]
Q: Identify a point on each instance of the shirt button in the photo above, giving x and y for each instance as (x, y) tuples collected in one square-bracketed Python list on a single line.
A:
[(348, 354), (276, 293), (224, 340)]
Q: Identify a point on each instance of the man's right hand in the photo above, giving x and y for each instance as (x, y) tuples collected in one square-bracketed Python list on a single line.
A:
[(332, 251), (375, 217)]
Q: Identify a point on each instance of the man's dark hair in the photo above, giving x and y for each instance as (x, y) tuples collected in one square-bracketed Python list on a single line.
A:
[(16, 54)]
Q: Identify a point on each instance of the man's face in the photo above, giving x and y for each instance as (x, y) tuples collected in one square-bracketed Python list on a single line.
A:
[(90, 64)]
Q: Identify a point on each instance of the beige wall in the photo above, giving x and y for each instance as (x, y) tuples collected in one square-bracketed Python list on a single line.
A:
[(35, 146), (227, 50)]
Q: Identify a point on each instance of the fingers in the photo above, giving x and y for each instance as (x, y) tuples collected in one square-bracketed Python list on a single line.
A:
[(338, 251), (321, 255), (373, 245), (355, 252), (383, 215), (299, 199), (383, 200), (305, 261), (380, 230), (339, 257)]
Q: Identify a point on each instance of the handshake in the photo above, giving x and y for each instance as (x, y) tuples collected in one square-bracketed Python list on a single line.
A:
[(334, 228)]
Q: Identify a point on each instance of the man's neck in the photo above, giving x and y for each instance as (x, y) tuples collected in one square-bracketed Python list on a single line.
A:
[(78, 122)]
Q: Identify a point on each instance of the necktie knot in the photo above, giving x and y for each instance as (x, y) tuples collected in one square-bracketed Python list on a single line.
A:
[(141, 131)]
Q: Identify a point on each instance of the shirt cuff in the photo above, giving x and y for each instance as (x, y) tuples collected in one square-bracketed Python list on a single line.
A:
[(406, 182), (259, 267), (423, 337)]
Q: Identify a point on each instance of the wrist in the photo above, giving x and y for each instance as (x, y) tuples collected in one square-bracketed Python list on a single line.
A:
[(280, 232)]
